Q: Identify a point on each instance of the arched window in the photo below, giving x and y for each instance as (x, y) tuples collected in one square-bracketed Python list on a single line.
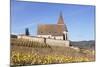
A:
[(63, 36), (66, 36)]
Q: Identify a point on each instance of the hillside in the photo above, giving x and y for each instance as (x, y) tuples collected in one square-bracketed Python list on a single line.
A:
[(25, 52), (83, 44)]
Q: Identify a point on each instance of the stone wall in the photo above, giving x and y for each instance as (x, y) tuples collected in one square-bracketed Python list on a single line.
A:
[(52, 42), (32, 38)]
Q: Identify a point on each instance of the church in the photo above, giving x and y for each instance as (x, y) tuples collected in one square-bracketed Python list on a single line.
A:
[(57, 31)]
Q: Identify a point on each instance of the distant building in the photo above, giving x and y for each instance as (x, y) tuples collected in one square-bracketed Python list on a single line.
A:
[(54, 31)]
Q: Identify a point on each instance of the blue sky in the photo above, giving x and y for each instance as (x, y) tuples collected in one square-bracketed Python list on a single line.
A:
[(80, 19)]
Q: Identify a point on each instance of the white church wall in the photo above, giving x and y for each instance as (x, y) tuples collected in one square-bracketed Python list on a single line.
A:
[(59, 37), (46, 36), (51, 37)]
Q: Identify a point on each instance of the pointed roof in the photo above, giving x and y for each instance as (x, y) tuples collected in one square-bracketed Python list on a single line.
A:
[(60, 20), (53, 29)]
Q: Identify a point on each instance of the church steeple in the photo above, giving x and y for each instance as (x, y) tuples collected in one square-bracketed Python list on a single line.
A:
[(60, 20)]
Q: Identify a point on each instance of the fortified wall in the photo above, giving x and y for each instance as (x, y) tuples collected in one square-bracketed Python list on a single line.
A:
[(52, 42)]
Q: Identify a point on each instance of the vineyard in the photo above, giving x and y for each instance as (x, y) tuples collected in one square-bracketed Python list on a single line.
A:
[(25, 52)]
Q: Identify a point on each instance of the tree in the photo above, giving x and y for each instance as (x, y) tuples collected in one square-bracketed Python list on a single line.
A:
[(27, 32)]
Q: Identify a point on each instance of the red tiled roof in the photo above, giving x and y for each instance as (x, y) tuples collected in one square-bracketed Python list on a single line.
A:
[(53, 29)]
